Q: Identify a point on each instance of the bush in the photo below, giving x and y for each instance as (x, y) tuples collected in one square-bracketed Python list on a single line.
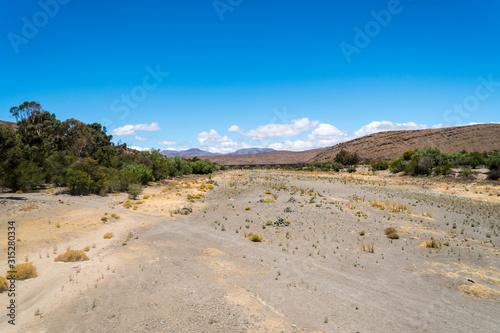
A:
[(408, 154), (346, 158), (202, 167), (444, 169), (351, 169), (380, 165), (108, 235), (136, 173), (23, 271), (255, 238), (4, 286), (391, 233), (431, 243), (78, 181), (29, 176), (494, 174), (493, 161), (72, 256), (336, 167), (397, 165), (134, 190)]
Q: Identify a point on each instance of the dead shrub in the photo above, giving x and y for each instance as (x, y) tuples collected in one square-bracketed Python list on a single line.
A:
[(23, 271), (72, 256), (391, 233), (431, 243)]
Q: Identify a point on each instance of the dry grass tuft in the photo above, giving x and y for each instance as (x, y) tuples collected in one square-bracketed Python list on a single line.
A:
[(431, 243), (481, 291), (269, 200), (108, 235), (28, 208), (72, 256), (392, 207), (23, 271), (391, 233), (370, 248)]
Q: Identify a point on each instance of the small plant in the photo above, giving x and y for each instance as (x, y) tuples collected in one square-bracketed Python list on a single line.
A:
[(116, 217), (104, 219), (38, 312), (124, 243), (255, 238), (248, 208), (108, 235), (24, 271), (72, 256), (362, 233), (391, 233), (86, 248), (58, 225), (368, 248), (269, 200)]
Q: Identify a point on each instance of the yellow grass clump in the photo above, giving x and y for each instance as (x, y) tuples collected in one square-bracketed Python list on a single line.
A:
[(72, 256), (269, 200), (23, 271), (108, 235), (255, 238), (247, 208), (390, 206)]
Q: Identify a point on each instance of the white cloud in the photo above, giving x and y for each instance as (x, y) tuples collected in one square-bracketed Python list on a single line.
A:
[(325, 135), (141, 138), (139, 148), (130, 129), (167, 143), (385, 125), (214, 142), (274, 131), (233, 128)]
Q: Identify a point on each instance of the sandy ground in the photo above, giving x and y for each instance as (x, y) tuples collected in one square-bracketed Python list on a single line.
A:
[(314, 273)]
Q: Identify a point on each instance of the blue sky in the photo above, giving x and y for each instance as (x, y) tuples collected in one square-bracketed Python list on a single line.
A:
[(228, 74)]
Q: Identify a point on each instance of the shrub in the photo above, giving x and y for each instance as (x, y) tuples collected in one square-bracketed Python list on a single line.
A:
[(255, 238), (380, 165), (24, 271), (116, 217), (247, 208), (134, 190), (202, 167), (444, 169), (494, 174), (4, 286), (408, 154), (494, 160), (86, 248), (467, 172), (336, 167), (431, 243), (108, 235), (72, 256), (391, 233), (397, 165), (29, 175), (346, 158), (269, 200), (351, 170), (78, 181)]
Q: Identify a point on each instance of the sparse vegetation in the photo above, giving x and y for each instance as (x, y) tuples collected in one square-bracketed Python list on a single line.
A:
[(72, 256), (255, 238), (24, 271), (108, 235)]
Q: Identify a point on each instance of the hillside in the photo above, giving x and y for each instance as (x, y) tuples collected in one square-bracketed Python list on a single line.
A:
[(8, 124), (270, 158), (387, 145)]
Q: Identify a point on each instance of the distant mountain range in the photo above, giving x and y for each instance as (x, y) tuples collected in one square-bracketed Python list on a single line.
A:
[(195, 152)]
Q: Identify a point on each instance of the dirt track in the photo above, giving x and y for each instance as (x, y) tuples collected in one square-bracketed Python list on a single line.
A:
[(200, 273)]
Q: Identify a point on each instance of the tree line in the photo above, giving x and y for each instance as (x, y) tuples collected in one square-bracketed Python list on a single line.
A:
[(80, 156)]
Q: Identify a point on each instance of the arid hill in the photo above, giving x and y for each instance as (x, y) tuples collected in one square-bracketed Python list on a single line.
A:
[(8, 124), (271, 158), (387, 145)]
